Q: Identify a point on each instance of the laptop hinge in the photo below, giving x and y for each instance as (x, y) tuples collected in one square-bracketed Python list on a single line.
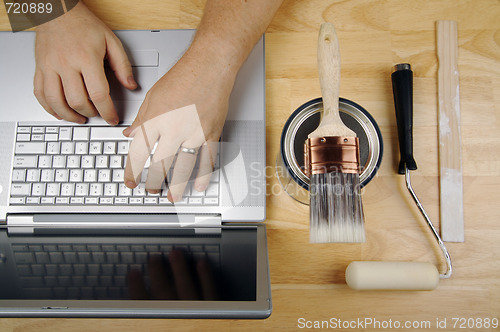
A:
[(26, 224), (210, 224), (21, 224)]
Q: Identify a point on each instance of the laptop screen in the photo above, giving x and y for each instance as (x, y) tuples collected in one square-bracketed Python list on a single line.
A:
[(150, 265)]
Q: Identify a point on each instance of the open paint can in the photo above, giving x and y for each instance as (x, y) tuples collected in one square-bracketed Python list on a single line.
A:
[(290, 161)]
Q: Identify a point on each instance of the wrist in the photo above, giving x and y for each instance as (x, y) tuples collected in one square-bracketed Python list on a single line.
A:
[(221, 56), (68, 18)]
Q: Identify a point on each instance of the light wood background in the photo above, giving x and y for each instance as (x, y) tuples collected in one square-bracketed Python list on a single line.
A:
[(308, 280)]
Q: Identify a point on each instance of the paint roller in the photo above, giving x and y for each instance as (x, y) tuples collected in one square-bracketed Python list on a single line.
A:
[(370, 275)]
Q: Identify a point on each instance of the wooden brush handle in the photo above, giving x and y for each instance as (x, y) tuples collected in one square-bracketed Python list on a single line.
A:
[(329, 77), (329, 69)]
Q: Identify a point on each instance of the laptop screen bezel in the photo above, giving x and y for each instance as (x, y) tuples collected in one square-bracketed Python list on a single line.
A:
[(260, 308)]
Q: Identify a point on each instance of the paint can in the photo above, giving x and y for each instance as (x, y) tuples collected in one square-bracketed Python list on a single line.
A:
[(303, 121)]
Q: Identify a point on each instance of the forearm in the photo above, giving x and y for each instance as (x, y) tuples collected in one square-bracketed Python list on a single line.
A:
[(229, 29)]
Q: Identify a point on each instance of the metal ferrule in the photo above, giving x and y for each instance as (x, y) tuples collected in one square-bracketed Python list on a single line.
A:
[(401, 66), (331, 154)]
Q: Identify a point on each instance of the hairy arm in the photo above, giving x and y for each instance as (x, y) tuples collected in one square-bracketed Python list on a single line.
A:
[(202, 78), (234, 26)]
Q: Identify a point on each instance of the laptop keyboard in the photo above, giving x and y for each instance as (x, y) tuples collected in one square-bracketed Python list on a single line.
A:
[(85, 166), (94, 271)]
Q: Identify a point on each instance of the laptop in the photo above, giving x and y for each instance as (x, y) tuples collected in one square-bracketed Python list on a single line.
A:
[(75, 242)]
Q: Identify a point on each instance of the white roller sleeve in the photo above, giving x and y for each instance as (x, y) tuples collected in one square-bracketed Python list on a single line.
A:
[(392, 276)]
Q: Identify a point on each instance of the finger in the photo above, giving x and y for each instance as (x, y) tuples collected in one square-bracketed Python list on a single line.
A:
[(55, 99), (208, 155), (207, 280), (139, 151), (157, 174), (39, 94), (76, 95), (160, 164), (132, 129), (181, 174), (161, 284), (98, 90), (136, 286), (183, 278), (120, 63)]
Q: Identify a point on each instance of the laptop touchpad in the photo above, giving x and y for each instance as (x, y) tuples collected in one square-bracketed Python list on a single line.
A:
[(145, 69)]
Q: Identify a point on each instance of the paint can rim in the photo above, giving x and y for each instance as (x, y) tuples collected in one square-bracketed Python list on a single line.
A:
[(363, 118)]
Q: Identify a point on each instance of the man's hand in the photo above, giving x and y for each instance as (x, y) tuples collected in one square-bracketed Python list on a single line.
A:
[(184, 112), (69, 81), (186, 109)]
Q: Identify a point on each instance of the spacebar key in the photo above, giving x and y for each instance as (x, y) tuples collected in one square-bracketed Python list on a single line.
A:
[(107, 133)]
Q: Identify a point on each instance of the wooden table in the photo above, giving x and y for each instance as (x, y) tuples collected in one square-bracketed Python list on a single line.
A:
[(308, 280)]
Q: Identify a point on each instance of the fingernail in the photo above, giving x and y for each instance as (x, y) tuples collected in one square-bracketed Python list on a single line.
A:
[(200, 187), (114, 122), (132, 82), (129, 132), (130, 184), (173, 198)]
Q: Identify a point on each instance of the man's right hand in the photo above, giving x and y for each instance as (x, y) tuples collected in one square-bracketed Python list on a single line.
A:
[(70, 82)]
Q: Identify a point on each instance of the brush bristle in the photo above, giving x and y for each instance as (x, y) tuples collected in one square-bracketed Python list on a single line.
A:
[(336, 208)]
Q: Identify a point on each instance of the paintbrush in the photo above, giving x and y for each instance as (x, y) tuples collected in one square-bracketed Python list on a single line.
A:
[(332, 158)]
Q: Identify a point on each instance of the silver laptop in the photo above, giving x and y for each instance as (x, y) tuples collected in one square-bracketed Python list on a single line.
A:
[(75, 242)]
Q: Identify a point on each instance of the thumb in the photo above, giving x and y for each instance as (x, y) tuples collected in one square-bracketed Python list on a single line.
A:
[(130, 131), (139, 119), (120, 64)]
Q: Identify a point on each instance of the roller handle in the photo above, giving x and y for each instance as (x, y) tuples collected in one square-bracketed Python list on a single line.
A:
[(402, 88)]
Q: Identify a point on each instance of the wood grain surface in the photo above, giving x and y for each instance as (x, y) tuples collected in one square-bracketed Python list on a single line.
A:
[(308, 280)]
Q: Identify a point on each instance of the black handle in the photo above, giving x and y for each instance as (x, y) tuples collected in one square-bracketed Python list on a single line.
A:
[(402, 88)]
